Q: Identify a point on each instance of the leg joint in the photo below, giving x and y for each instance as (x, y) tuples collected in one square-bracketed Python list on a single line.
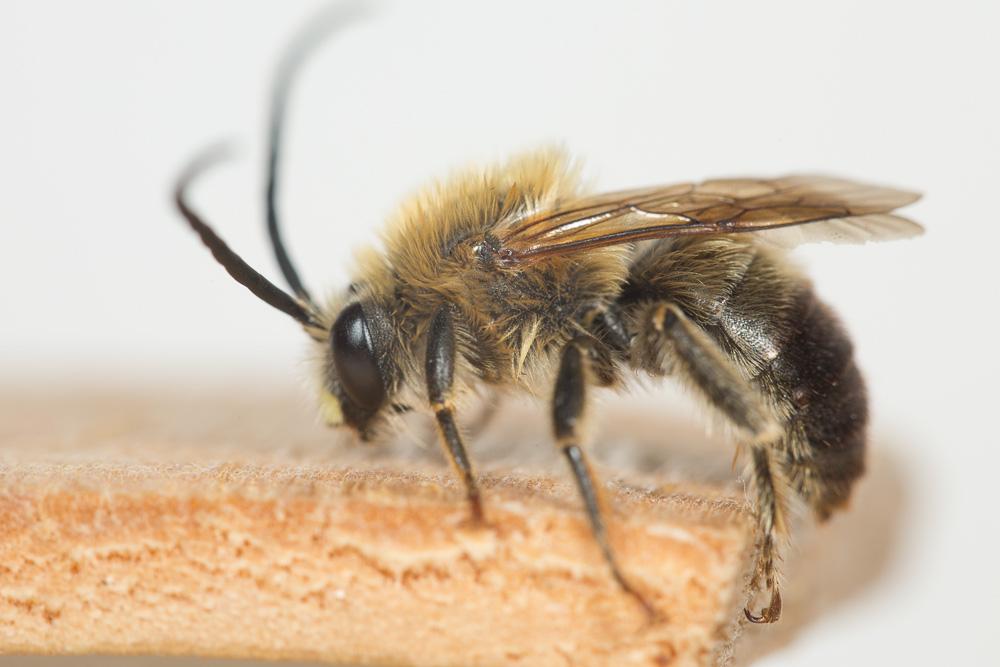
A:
[(665, 318)]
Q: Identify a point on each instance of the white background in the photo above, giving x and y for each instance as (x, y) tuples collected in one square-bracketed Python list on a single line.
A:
[(102, 101)]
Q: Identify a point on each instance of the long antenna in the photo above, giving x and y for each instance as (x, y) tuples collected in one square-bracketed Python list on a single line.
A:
[(242, 272), (302, 46)]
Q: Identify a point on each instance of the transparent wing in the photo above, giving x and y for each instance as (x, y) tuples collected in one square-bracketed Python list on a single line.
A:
[(786, 211)]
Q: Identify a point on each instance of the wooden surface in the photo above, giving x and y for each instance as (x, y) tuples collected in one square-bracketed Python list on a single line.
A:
[(195, 525)]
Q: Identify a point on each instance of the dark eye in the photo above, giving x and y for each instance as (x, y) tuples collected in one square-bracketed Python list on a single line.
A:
[(354, 359)]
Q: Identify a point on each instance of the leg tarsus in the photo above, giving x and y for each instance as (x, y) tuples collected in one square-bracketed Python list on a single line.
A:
[(455, 450), (770, 525), (769, 614), (653, 615)]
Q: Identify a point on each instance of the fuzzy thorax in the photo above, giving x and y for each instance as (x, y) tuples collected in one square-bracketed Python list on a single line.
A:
[(509, 322)]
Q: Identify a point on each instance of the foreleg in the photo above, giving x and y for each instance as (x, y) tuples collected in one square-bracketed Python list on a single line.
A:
[(440, 373)]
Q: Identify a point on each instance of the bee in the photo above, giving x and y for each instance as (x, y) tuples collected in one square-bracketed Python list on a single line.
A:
[(513, 277)]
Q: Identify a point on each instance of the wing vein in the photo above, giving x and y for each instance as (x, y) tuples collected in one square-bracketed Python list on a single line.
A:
[(831, 208)]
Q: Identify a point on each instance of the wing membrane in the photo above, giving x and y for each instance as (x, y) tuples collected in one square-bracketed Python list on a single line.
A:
[(786, 211)]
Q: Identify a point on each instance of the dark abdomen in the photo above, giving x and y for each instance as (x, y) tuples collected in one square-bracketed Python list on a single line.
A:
[(769, 322), (815, 378)]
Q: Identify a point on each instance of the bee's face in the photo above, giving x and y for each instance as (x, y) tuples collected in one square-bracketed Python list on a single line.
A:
[(357, 381)]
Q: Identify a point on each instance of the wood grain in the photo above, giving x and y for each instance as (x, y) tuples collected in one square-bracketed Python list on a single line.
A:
[(182, 524)]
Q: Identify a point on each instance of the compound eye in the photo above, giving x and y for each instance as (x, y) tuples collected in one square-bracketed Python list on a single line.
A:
[(354, 359)]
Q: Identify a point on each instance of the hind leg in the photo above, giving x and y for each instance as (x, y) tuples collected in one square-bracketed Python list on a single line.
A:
[(668, 333)]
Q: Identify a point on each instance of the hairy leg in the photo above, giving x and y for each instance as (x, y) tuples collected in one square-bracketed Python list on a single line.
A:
[(702, 361)]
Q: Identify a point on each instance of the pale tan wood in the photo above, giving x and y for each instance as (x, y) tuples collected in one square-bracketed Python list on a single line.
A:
[(166, 523)]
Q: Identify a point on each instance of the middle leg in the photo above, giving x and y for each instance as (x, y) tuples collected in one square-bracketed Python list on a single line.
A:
[(568, 404)]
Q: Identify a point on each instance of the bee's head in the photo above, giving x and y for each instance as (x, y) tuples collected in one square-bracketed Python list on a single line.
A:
[(356, 346), (357, 373), (356, 368)]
